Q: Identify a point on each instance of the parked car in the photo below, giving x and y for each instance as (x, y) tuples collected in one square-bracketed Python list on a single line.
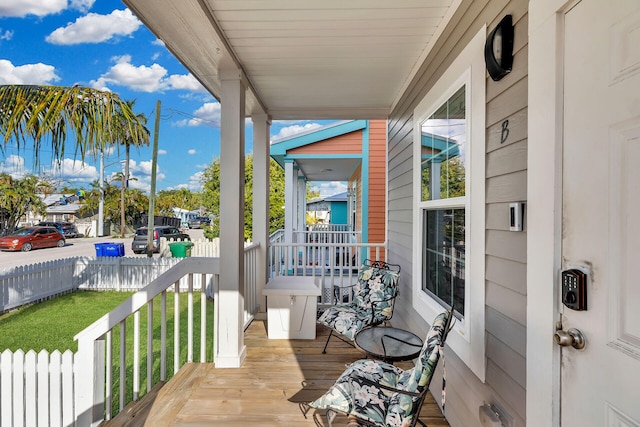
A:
[(68, 229), (139, 243), (199, 221), (27, 238)]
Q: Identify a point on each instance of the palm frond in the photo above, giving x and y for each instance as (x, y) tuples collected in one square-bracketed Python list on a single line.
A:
[(31, 114)]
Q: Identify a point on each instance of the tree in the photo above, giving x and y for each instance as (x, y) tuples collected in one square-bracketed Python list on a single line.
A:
[(135, 202), (34, 114), (181, 198), (211, 197), (452, 179), (125, 137), (17, 197)]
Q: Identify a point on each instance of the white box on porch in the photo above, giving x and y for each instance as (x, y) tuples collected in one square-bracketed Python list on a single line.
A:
[(292, 303)]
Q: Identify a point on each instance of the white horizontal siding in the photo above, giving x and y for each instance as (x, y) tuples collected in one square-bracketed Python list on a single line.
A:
[(505, 270)]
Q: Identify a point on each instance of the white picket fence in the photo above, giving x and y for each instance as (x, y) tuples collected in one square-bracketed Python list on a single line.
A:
[(46, 381), (36, 282), (50, 389)]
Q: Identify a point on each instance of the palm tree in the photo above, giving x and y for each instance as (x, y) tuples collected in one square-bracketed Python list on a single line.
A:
[(33, 114), (124, 136)]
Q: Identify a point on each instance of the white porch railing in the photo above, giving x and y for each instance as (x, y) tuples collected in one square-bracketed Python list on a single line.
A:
[(336, 264), (62, 389), (94, 359), (327, 236)]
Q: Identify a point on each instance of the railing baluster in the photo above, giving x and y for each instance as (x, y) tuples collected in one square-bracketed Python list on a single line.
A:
[(190, 319), (136, 355), (149, 345), (203, 318), (176, 327), (163, 337), (109, 376), (123, 363)]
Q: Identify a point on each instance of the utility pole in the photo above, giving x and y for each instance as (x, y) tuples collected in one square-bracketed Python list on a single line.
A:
[(101, 207), (152, 193)]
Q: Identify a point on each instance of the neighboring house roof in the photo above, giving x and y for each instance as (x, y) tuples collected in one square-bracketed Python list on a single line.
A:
[(71, 208), (338, 197), (322, 203), (312, 163), (58, 199)]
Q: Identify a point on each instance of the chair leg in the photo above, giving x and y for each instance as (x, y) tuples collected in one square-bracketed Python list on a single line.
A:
[(331, 416), (324, 351)]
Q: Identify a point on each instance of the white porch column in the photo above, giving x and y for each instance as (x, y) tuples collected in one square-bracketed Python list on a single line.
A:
[(290, 177), (261, 126), (302, 204), (228, 331)]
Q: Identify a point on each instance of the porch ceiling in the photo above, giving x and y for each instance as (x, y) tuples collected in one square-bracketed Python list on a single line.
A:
[(327, 169), (303, 59)]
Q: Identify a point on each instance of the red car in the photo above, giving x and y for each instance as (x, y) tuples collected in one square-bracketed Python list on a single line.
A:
[(25, 239)]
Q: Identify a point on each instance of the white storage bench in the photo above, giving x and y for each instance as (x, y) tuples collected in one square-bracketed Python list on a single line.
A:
[(292, 302)]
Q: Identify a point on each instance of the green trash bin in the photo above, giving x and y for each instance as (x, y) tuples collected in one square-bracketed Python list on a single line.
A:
[(180, 249)]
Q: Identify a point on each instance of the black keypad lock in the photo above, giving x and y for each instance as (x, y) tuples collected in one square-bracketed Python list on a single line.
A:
[(574, 289)]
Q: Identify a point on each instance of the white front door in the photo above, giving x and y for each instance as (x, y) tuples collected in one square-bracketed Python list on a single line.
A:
[(600, 384)]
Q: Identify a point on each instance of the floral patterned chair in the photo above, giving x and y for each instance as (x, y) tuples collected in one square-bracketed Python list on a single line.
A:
[(380, 394), (373, 301)]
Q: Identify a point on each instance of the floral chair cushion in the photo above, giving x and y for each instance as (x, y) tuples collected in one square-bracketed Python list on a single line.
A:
[(428, 358), (372, 302), (356, 392)]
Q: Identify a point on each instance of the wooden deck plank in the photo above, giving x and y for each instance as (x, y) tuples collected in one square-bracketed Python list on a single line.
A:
[(276, 377)]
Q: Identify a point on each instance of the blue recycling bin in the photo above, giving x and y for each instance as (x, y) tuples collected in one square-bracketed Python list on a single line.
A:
[(100, 248), (114, 249), (109, 249)]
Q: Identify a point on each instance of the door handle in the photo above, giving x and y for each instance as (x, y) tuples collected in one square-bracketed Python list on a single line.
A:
[(572, 337)]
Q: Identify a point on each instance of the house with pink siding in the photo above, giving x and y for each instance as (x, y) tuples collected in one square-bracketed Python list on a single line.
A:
[(352, 152)]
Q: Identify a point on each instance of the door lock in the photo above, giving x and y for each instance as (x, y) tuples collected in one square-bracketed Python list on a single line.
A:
[(573, 337)]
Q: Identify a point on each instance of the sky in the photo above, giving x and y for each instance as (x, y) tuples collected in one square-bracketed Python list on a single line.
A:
[(101, 44)]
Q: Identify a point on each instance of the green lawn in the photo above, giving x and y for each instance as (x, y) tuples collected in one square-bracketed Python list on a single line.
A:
[(51, 325)]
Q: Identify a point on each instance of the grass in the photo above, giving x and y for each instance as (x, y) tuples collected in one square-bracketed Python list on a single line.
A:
[(51, 325)]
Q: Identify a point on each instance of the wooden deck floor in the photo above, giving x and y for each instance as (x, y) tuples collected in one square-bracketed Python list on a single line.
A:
[(267, 390)]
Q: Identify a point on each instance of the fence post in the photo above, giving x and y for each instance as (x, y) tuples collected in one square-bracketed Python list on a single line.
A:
[(89, 381)]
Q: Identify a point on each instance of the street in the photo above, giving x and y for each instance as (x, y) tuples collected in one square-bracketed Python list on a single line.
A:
[(83, 246)]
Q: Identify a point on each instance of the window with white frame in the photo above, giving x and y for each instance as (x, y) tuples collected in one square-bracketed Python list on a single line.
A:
[(449, 208), (444, 203)]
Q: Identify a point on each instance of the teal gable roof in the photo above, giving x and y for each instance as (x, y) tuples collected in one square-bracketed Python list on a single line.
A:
[(278, 150)]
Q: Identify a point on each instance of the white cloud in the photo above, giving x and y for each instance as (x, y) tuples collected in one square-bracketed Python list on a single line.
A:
[(191, 152), (186, 82), (161, 152), (7, 35), (295, 129), (26, 74), (141, 175), (14, 166), (81, 5), (328, 188), (144, 167), (95, 28), (73, 171), (194, 184), (22, 8), (207, 115), (144, 78), (31, 7)]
